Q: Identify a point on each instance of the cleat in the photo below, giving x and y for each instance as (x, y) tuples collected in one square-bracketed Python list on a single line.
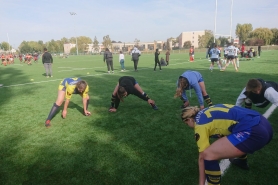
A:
[(47, 123), (240, 163)]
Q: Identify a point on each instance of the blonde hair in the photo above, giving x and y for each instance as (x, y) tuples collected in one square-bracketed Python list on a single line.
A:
[(182, 84), (189, 112), (120, 93), (81, 85), (253, 85)]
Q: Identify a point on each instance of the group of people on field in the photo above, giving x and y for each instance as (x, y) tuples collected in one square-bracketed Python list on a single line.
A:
[(135, 55), (238, 130)]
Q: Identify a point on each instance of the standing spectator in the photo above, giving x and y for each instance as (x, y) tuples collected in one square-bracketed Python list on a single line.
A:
[(208, 55), (156, 60), (242, 50), (135, 54), (108, 57), (259, 51), (191, 54), (47, 61), (167, 57), (122, 61)]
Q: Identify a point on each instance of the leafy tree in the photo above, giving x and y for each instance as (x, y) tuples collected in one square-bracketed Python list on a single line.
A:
[(275, 36), (136, 42), (262, 33), (221, 41), (5, 46), (95, 45), (107, 42), (243, 31), (206, 39), (186, 44)]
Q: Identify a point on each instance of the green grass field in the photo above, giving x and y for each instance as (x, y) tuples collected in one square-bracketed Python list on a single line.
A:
[(135, 145)]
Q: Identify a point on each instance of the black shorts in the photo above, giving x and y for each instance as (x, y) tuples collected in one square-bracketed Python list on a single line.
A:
[(230, 57), (225, 55), (214, 59)]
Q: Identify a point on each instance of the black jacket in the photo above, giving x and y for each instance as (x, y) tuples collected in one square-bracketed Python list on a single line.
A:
[(47, 58)]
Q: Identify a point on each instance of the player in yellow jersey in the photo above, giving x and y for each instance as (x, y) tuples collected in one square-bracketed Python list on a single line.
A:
[(67, 87), (240, 131)]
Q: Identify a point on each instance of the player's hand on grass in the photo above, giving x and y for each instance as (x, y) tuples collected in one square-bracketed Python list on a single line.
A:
[(112, 109), (186, 104), (151, 102), (64, 114), (87, 113)]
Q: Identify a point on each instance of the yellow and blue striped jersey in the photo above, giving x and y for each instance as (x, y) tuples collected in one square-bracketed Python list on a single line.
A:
[(69, 85), (222, 120)]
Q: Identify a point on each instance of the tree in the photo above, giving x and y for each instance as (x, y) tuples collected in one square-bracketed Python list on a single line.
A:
[(206, 40), (222, 41), (262, 33), (95, 45), (136, 42), (5, 46), (275, 36), (107, 42), (243, 31), (186, 44)]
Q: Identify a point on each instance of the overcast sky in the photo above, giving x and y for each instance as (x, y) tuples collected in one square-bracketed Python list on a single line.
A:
[(125, 20)]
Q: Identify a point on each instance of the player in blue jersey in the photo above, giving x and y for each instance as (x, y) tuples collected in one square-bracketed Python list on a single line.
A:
[(240, 131), (192, 79), (67, 87), (214, 57)]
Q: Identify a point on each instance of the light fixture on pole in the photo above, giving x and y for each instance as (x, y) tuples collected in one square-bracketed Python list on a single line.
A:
[(73, 13)]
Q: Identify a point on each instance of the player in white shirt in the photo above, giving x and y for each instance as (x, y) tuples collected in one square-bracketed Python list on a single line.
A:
[(236, 56), (214, 57), (231, 56), (122, 61)]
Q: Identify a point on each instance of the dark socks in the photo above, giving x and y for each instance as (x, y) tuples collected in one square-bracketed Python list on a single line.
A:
[(52, 112), (212, 172), (208, 100)]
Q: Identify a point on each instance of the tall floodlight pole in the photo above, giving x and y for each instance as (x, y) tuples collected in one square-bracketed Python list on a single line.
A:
[(231, 21), (215, 20), (73, 13)]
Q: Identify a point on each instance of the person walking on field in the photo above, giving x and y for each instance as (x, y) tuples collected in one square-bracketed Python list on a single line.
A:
[(47, 61), (108, 57), (167, 57), (259, 51), (122, 61), (191, 54), (156, 60), (135, 54)]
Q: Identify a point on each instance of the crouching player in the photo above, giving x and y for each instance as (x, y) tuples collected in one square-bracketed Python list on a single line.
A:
[(67, 87), (128, 85), (240, 131)]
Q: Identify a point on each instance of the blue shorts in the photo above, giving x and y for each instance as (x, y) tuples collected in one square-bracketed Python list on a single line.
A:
[(254, 138)]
